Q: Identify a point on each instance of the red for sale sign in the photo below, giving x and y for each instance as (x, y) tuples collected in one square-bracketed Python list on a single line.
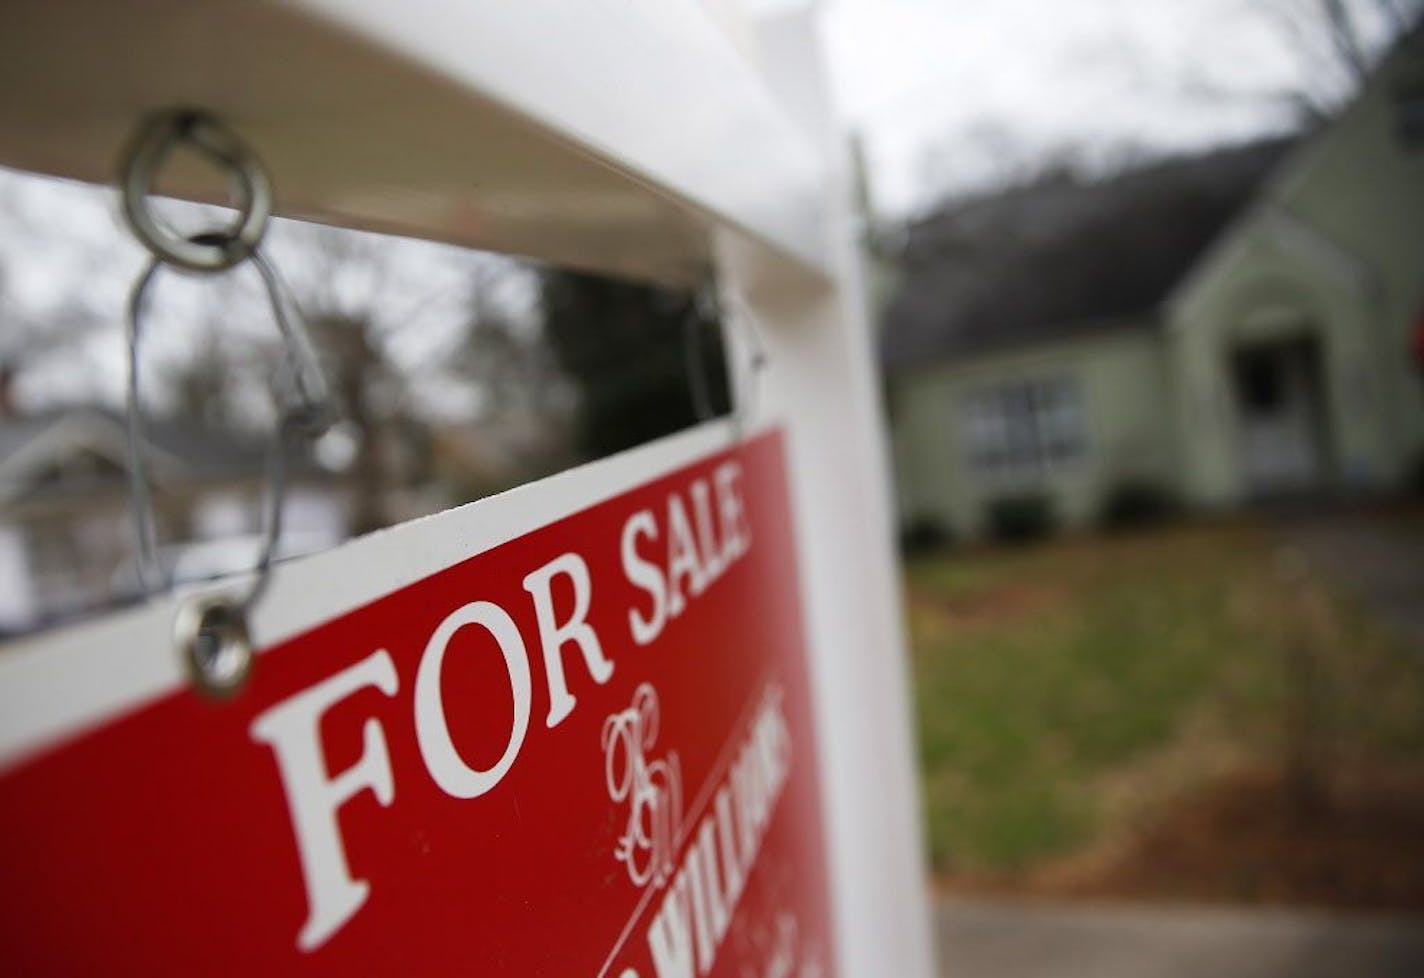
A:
[(587, 751)]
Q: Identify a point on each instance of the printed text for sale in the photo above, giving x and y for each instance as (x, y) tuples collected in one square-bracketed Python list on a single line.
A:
[(671, 555)]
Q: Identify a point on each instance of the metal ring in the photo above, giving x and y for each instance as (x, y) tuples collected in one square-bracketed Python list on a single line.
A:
[(159, 135), (212, 637)]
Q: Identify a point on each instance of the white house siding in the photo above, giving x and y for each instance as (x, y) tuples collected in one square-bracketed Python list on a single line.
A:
[(1126, 407), (1261, 298), (226, 513), (17, 599), (317, 514), (1334, 248)]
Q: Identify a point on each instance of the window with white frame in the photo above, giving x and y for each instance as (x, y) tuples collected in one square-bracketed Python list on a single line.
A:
[(1023, 429)]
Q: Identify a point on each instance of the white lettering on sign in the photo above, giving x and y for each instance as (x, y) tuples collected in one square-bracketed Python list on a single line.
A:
[(432, 733), (646, 575), (293, 730), (552, 635), (652, 789), (692, 921), (699, 550), (700, 568)]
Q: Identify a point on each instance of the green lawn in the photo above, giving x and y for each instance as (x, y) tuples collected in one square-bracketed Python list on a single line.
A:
[(1068, 691)]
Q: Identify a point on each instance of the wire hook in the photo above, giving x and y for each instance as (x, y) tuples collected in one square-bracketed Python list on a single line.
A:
[(211, 631), (746, 396)]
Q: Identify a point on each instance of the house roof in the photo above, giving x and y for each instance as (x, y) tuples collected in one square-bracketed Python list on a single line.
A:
[(1060, 257), (30, 445)]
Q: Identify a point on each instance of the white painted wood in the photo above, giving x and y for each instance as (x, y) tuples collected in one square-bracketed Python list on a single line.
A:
[(822, 380), (606, 134)]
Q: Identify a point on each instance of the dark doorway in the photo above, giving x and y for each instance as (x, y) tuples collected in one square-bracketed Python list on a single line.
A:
[(1280, 416)]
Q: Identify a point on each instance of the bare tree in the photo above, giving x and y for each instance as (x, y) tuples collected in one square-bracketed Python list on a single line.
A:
[(413, 337), (1336, 43), (59, 278)]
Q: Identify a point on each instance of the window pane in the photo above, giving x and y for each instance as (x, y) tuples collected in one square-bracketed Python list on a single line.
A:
[(1023, 428)]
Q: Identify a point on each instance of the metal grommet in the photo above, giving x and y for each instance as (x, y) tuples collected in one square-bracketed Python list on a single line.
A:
[(157, 138), (212, 637)]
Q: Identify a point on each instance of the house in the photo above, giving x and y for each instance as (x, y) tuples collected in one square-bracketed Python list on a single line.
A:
[(67, 540), (67, 534), (1236, 326)]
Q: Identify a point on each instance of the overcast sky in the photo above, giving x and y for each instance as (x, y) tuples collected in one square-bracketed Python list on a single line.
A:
[(949, 92)]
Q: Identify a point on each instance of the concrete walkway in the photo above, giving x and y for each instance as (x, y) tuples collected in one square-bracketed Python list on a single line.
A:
[(1005, 940)]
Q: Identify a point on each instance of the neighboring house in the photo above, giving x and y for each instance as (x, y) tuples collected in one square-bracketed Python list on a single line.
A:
[(67, 536), (1226, 328), (66, 527)]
